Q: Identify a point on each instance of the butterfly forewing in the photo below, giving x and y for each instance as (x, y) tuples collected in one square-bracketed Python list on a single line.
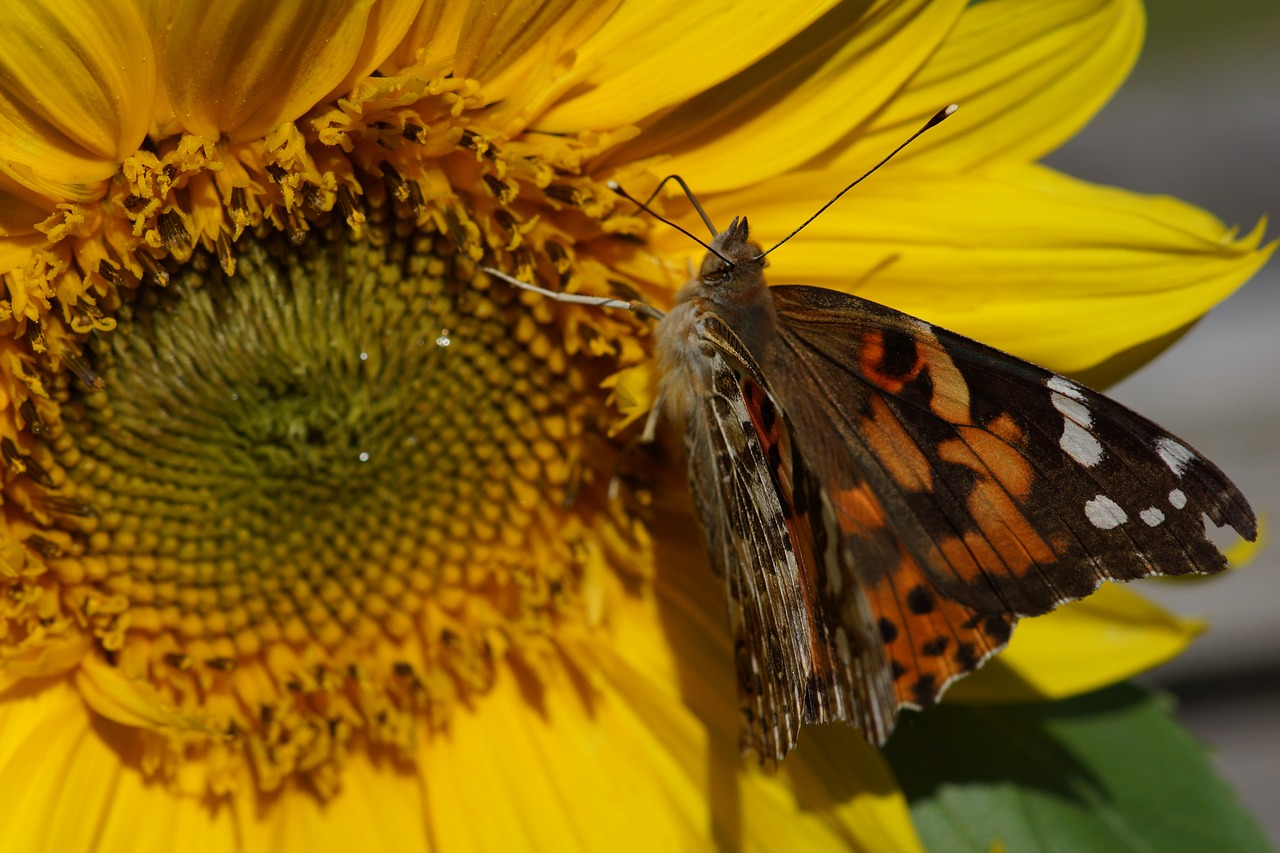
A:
[(974, 487)]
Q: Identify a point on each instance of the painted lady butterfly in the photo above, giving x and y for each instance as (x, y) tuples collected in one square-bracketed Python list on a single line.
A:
[(884, 499)]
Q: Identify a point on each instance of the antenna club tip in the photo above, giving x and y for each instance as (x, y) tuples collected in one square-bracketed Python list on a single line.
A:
[(940, 115), (614, 185)]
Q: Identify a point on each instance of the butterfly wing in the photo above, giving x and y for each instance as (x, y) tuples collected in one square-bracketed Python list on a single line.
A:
[(972, 487), (805, 652)]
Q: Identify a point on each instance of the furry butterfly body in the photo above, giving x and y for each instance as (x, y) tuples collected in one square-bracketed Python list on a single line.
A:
[(884, 499)]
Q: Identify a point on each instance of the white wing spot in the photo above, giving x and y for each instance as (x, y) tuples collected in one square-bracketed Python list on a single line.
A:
[(1151, 516), (1104, 513), (1078, 443), (1074, 410), (1062, 385), (1176, 456), (1178, 499)]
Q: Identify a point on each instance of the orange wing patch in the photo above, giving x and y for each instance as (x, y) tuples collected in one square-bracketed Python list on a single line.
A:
[(1005, 463), (1006, 429), (895, 449), (930, 640), (950, 400), (1002, 474), (858, 511)]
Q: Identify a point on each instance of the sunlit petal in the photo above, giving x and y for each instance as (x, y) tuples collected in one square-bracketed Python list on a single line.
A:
[(76, 80), (798, 101), (1027, 77), (242, 68), (651, 56)]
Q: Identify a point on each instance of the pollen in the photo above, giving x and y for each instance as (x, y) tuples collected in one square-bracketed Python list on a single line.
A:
[(285, 463)]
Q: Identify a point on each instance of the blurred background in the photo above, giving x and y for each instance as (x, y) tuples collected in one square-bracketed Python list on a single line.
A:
[(1200, 119)]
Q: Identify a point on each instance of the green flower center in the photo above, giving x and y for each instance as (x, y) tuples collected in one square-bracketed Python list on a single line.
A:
[(308, 435)]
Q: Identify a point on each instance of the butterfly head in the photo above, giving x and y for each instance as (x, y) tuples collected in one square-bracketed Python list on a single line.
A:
[(734, 262)]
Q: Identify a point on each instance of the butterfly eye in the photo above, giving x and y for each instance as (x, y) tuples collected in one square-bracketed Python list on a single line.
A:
[(717, 275)]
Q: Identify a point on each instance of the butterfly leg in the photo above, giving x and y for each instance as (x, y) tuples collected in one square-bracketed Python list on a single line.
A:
[(648, 436), (650, 433)]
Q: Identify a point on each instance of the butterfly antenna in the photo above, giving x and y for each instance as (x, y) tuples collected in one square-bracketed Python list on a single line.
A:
[(688, 193), (644, 205), (937, 119)]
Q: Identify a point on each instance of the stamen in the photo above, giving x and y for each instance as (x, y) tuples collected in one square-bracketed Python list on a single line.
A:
[(154, 272), (395, 183), (77, 365), (111, 273), (565, 193), (352, 212), (66, 506), (239, 209), (173, 233), (226, 258), (31, 417), (35, 337)]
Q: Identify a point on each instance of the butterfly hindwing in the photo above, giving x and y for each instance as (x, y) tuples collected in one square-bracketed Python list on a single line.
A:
[(806, 648)]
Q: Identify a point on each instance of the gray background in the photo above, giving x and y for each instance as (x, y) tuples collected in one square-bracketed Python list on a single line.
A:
[(1200, 119)]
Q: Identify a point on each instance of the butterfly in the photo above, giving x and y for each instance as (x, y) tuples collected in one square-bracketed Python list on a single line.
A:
[(884, 499)]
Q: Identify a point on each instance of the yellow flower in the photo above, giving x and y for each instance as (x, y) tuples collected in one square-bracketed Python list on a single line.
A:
[(307, 539)]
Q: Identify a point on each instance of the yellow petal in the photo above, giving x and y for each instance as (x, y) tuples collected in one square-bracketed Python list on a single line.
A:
[(155, 15), (71, 781), (799, 100), (380, 807), (497, 33), (1027, 77), (53, 656), (565, 776), (834, 771), (16, 251), (76, 81), (652, 55), (126, 701), (20, 207), (432, 38), (243, 67), (389, 21), (1056, 270), (1112, 635)]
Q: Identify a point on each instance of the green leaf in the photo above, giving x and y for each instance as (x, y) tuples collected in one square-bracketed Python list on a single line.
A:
[(1110, 770)]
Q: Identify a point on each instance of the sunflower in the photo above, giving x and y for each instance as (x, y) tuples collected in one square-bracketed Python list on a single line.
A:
[(308, 537)]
